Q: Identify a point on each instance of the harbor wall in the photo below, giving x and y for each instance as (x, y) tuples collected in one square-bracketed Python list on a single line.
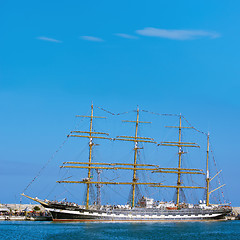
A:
[(24, 212), (21, 207)]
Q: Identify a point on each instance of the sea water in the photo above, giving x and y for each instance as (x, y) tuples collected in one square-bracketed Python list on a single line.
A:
[(120, 231)]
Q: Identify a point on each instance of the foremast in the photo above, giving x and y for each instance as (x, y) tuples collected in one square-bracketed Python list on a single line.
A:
[(91, 135)]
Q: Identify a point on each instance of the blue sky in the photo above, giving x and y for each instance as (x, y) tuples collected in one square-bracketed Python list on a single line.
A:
[(165, 56)]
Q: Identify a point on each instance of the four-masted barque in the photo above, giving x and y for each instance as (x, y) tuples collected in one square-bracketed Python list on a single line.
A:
[(146, 208)]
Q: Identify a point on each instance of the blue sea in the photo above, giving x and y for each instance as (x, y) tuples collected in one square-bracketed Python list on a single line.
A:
[(120, 231)]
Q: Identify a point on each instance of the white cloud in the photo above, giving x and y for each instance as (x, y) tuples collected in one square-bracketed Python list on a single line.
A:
[(91, 38), (49, 39), (176, 34), (124, 35)]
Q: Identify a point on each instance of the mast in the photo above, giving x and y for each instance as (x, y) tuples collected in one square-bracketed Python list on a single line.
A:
[(91, 135), (179, 159), (90, 155), (208, 179), (180, 145), (135, 160), (207, 172), (135, 139), (98, 187)]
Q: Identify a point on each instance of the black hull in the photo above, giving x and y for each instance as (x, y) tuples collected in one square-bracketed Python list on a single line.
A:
[(70, 213)]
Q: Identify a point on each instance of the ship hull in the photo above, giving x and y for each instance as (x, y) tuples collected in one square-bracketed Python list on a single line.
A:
[(61, 213)]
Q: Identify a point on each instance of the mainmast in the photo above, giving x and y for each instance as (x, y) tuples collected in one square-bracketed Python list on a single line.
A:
[(135, 139)]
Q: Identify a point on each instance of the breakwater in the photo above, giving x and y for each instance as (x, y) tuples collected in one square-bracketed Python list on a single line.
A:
[(24, 212)]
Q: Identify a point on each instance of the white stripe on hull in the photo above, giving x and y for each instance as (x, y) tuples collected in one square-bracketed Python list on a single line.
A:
[(112, 216)]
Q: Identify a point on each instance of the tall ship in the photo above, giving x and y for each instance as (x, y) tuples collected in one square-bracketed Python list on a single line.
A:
[(143, 208)]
